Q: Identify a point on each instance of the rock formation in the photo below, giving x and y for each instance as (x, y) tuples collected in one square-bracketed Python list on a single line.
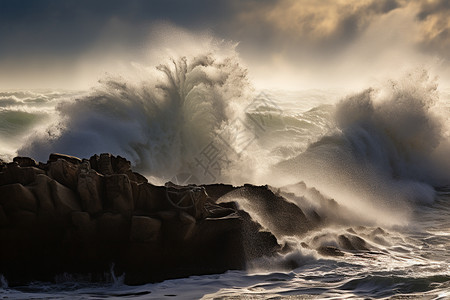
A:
[(82, 215)]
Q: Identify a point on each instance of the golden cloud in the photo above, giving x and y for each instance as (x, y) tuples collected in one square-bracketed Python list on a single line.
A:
[(434, 17), (341, 21), (318, 20)]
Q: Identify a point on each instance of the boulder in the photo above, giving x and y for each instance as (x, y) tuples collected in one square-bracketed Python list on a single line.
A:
[(71, 159), (119, 194), (167, 215), (13, 173), (90, 189), (281, 217), (65, 200), (177, 226), (150, 198), (84, 227), (93, 161), (190, 199), (136, 177), (42, 192), (135, 193), (112, 228), (120, 165), (16, 197), (25, 161), (256, 241), (186, 218), (145, 229), (217, 190), (104, 164), (217, 211), (188, 225), (65, 172), (84, 214)]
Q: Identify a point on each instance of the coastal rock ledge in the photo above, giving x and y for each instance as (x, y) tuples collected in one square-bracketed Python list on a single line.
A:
[(82, 216)]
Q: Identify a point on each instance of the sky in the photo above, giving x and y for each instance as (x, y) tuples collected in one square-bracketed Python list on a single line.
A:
[(286, 44)]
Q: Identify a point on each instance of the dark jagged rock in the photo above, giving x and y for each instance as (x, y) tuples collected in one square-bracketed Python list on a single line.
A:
[(71, 159), (84, 228), (215, 191), (257, 241), (65, 172), (25, 161), (43, 193), (90, 188), (286, 218), (108, 164), (13, 173), (80, 216), (15, 197), (121, 165), (189, 199), (119, 194), (104, 164), (65, 199), (149, 198), (145, 229)]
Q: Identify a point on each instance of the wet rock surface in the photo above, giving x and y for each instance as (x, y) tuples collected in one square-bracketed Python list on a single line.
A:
[(83, 215)]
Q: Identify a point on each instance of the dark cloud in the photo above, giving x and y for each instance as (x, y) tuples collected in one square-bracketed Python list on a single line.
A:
[(296, 32), (430, 8), (434, 17), (68, 27), (318, 22), (384, 6), (44, 41)]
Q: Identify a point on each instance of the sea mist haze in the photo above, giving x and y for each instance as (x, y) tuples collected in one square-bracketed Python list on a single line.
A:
[(343, 102)]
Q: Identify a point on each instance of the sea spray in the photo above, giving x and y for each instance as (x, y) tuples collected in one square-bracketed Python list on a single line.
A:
[(413, 258), (380, 156), (3, 282), (375, 151), (160, 124)]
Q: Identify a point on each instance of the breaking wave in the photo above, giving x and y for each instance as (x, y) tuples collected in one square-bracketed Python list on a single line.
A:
[(160, 123), (197, 120), (364, 164), (384, 153)]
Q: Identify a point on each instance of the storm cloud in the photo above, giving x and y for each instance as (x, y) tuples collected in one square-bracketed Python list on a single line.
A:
[(306, 37), (434, 17)]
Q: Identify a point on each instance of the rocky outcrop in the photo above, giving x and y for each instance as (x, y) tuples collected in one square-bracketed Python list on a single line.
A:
[(82, 215), (277, 215)]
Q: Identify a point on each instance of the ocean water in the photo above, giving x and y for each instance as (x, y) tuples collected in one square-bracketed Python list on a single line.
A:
[(382, 153)]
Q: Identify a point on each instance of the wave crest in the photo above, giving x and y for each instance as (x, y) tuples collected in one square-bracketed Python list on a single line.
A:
[(383, 153), (160, 123)]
